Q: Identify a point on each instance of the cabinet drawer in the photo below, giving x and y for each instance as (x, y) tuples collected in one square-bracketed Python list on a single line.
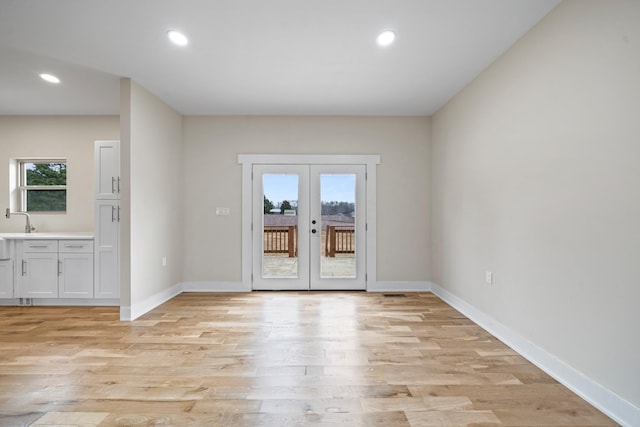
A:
[(75, 246), (40, 246)]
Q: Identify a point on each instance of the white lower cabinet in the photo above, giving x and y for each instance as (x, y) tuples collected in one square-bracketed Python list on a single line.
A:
[(56, 269), (6, 278), (39, 275), (75, 278), (75, 269)]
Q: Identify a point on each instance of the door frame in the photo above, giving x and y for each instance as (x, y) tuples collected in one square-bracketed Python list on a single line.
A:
[(370, 161)]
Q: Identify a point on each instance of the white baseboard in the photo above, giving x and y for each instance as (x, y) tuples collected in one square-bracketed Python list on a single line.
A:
[(137, 310), (70, 302), (399, 287), (107, 302), (214, 287), (620, 410)]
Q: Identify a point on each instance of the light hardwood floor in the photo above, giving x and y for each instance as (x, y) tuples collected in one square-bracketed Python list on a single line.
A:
[(272, 359)]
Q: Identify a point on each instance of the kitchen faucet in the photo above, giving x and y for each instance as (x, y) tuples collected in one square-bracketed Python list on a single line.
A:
[(28, 228)]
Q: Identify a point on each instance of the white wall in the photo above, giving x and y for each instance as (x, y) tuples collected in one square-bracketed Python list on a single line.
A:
[(71, 138), (213, 243), (537, 179), (152, 197)]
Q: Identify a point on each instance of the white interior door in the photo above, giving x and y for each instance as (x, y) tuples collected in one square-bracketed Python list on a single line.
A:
[(308, 227)]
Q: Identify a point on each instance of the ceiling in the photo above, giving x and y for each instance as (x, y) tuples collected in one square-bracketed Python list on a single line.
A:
[(253, 57)]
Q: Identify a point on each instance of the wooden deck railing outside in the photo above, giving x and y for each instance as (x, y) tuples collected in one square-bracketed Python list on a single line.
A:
[(340, 240), (281, 240)]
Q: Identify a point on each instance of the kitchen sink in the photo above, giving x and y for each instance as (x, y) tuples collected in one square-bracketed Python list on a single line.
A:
[(5, 252)]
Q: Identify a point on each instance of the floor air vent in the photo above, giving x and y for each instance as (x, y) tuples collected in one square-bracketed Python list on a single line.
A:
[(394, 295)]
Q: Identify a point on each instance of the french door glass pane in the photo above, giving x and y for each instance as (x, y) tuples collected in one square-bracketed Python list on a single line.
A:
[(338, 242), (280, 225)]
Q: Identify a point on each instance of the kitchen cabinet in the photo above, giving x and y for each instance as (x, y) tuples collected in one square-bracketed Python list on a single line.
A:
[(39, 269), (107, 247), (6, 278), (75, 269), (107, 170), (55, 269), (107, 220)]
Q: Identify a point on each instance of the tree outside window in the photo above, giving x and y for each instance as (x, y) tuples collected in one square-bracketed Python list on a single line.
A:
[(43, 185)]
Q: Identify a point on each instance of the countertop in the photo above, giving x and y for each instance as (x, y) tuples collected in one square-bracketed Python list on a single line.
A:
[(63, 235)]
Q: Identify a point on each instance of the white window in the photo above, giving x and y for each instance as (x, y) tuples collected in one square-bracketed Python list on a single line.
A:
[(42, 185)]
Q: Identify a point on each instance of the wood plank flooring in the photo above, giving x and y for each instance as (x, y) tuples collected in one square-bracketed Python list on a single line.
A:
[(272, 359)]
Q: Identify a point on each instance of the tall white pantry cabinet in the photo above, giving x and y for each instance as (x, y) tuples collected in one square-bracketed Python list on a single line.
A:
[(107, 212)]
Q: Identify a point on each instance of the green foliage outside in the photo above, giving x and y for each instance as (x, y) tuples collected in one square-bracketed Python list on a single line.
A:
[(268, 205), (285, 206), (46, 174)]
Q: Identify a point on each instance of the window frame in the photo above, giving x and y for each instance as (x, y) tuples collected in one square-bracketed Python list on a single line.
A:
[(23, 188)]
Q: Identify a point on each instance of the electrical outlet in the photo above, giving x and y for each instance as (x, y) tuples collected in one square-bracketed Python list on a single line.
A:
[(488, 277), (223, 211)]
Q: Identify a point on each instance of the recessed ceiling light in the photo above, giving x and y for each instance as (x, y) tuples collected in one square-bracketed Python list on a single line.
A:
[(49, 78), (385, 38), (177, 37)]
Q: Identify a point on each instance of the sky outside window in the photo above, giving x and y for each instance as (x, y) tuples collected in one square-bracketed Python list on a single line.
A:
[(334, 188)]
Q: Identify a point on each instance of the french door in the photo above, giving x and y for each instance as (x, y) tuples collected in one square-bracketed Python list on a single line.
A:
[(308, 227)]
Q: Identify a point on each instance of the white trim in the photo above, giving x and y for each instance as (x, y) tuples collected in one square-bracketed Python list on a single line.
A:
[(247, 238), (372, 221), (419, 286), (214, 287), (139, 309), (614, 406), (248, 160), (74, 302), (309, 159)]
